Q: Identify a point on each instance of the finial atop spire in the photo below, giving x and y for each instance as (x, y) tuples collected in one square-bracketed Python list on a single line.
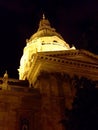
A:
[(43, 16)]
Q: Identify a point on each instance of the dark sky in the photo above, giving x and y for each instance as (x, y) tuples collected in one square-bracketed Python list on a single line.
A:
[(76, 20)]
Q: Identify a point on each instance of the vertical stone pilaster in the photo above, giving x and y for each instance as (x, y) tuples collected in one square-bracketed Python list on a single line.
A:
[(50, 86)]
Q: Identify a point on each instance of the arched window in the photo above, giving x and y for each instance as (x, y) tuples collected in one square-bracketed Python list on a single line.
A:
[(24, 127), (24, 124)]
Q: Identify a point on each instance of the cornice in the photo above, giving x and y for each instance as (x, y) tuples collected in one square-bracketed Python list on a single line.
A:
[(70, 53), (50, 62)]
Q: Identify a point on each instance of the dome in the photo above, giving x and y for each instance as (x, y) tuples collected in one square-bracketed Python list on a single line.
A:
[(45, 29), (45, 39)]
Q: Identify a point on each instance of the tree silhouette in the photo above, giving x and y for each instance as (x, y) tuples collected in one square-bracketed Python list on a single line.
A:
[(84, 115)]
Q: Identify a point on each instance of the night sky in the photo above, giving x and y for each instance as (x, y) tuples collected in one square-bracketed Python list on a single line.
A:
[(75, 20)]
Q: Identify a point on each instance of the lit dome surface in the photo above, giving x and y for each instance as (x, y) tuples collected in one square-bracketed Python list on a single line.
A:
[(45, 39)]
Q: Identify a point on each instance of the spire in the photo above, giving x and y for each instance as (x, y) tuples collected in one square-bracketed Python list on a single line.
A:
[(44, 23), (43, 16)]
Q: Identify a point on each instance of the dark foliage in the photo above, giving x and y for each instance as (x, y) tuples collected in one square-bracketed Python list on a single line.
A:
[(84, 115)]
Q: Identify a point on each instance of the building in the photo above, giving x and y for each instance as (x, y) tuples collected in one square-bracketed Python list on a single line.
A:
[(50, 73)]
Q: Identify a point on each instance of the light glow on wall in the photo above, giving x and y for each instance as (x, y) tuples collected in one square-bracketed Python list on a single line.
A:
[(45, 39)]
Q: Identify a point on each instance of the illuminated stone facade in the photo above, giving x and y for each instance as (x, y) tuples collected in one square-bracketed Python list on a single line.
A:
[(45, 39), (50, 74), (19, 105), (50, 65), (58, 75)]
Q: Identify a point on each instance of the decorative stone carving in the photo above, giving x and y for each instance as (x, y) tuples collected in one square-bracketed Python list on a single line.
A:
[(5, 81)]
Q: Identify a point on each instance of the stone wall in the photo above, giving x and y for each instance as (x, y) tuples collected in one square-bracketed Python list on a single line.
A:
[(58, 91), (19, 109)]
